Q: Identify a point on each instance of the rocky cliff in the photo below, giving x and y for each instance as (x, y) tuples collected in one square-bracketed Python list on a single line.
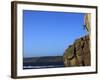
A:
[(78, 54)]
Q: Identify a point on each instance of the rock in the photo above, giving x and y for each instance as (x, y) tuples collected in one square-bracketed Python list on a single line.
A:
[(78, 54)]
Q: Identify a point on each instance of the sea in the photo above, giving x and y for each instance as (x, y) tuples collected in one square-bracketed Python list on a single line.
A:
[(41, 65)]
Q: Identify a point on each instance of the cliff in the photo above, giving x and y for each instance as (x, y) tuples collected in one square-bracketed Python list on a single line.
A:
[(78, 54)]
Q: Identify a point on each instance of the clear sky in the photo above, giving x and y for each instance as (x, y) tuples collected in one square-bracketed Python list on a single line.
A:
[(49, 33)]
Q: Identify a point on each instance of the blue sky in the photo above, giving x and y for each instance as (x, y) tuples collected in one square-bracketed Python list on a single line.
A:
[(49, 33)]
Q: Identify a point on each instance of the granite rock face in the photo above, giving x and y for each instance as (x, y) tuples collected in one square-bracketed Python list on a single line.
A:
[(78, 54)]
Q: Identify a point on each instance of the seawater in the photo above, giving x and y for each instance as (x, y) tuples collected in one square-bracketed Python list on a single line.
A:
[(43, 65)]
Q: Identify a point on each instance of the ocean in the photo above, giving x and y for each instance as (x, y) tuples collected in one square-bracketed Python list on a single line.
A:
[(40, 65)]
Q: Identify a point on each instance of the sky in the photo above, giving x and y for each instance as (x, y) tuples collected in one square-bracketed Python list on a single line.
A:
[(47, 33)]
